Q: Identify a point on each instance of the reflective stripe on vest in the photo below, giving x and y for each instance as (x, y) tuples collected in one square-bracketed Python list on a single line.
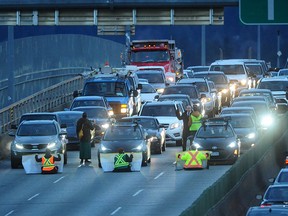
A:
[(48, 164), (120, 162), (196, 123), (193, 162)]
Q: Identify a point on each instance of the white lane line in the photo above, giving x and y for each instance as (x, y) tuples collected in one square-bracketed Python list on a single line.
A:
[(138, 192), (159, 175), (33, 196), (9, 213), (114, 212), (59, 179)]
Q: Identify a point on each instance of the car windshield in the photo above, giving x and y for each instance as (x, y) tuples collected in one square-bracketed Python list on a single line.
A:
[(241, 122), (201, 86), (229, 69), (115, 133), (159, 110), (182, 90), (37, 130), (274, 85), (70, 119), (283, 177), (283, 72), (108, 89), (248, 111), (93, 112), (78, 103), (255, 69), (152, 77), (147, 123), (147, 88), (150, 56), (277, 194), (218, 131), (216, 78)]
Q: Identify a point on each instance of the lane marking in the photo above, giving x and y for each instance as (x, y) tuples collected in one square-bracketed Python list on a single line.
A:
[(59, 179), (9, 213), (138, 192), (114, 212), (33, 196), (159, 175)]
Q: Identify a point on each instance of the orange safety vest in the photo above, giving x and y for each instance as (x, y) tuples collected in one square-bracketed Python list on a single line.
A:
[(193, 159), (48, 164)]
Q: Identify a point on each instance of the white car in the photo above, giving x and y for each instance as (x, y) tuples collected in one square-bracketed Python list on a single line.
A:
[(165, 112), (148, 92)]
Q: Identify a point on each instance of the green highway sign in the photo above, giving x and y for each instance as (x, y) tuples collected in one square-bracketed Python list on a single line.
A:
[(263, 12)]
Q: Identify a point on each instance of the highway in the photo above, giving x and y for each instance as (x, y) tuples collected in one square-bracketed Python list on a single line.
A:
[(86, 190)]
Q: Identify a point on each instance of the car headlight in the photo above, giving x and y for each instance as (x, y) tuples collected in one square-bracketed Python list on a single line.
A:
[(51, 145), (123, 108), (196, 145), (160, 90), (170, 79), (175, 125), (251, 136), (232, 145), (103, 148), (266, 121), (105, 126), (19, 146), (243, 82), (110, 112), (138, 148)]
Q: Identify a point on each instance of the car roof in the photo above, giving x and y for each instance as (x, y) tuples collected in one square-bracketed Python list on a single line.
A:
[(275, 78), (191, 80), (234, 108), (255, 90), (40, 113), (89, 98), (250, 101), (159, 103), (88, 107), (69, 112), (210, 72), (33, 122)]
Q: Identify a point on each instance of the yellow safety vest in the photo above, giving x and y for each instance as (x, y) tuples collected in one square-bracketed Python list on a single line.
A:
[(193, 159), (196, 123), (48, 164)]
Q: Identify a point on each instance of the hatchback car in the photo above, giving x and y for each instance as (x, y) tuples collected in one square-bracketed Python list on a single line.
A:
[(245, 128), (33, 137), (132, 137), (154, 129), (218, 136), (275, 195)]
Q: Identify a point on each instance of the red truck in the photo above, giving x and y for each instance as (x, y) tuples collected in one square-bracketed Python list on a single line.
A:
[(156, 53)]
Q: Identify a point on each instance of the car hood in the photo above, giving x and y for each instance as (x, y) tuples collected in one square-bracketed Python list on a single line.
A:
[(166, 119), (35, 139), (127, 145), (208, 143), (242, 132)]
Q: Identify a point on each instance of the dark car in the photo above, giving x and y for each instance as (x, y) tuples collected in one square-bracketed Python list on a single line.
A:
[(245, 128), (221, 82), (190, 90), (97, 115), (218, 136), (132, 137), (184, 98), (275, 195), (70, 118), (280, 210), (154, 129), (34, 137), (248, 110), (249, 98)]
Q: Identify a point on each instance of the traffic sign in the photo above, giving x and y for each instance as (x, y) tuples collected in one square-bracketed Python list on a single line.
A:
[(263, 12)]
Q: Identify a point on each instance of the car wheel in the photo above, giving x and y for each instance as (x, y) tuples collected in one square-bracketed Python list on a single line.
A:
[(178, 142), (65, 157), (15, 162), (144, 160), (164, 146)]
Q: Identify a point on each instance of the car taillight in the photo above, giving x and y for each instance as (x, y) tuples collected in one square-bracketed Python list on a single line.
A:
[(265, 205)]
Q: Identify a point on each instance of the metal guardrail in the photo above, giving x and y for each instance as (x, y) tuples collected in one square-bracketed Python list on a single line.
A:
[(43, 101)]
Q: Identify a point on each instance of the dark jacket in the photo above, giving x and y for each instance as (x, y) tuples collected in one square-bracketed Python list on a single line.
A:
[(87, 126), (185, 118)]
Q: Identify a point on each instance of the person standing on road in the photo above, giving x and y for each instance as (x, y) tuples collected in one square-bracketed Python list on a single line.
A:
[(185, 117), (194, 122), (85, 142)]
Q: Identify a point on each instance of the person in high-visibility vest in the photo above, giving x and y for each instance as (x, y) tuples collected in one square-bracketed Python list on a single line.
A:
[(122, 161), (48, 162), (194, 122), (193, 159)]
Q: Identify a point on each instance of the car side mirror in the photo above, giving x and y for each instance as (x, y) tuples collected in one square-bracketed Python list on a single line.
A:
[(140, 86)]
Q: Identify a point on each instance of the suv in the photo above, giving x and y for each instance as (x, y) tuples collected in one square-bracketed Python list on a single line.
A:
[(34, 137), (278, 86), (120, 91), (221, 82), (165, 112), (208, 95)]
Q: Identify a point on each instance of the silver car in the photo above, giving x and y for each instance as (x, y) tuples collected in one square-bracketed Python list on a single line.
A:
[(33, 137)]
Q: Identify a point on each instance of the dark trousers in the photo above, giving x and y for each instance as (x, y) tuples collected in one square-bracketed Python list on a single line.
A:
[(53, 171), (184, 140)]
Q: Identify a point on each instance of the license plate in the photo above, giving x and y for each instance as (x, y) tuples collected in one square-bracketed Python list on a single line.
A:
[(215, 154)]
